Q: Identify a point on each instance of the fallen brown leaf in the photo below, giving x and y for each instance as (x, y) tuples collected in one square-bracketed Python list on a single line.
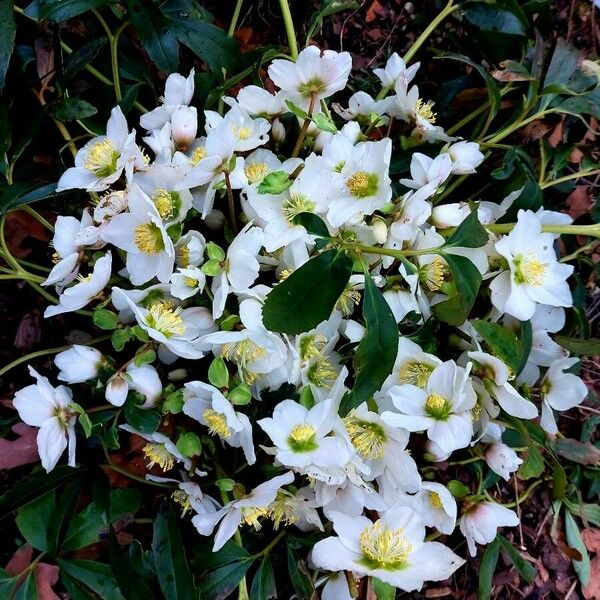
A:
[(21, 451)]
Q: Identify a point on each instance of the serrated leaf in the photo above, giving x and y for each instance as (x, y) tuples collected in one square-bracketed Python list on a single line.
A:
[(275, 183), (324, 123), (589, 347), (308, 296), (533, 464), (503, 342), (71, 109), (376, 353)]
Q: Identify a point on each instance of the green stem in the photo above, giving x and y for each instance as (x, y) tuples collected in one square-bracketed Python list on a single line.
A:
[(36, 215), (114, 59), (589, 230), (579, 174), (231, 204), (389, 252), (135, 477), (289, 28), (512, 128), (270, 547), (235, 17), (448, 10), (304, 127), (47, 351)]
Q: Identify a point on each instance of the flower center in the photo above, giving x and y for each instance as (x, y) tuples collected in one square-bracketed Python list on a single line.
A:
[(438, 407), (302, 438), (183, 499), (148, 238), (384, 548), (182, 254), (435, 500), (243, 353), (312, 86), (157, 454), (312, 345), (101, 158), (165, 320), (362, 184), (295, 205), (251, 514), (433, 274), (256, 171), (368, 438), (190, 282), (281, 510), (425, 110), (216, 423), (347, 301), (167, 203), (415, 374), (322, 373), (529, 270), (242, 133), (197, 155)]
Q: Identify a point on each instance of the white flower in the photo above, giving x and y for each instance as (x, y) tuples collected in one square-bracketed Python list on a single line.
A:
[(560, 391), (248, 133), (143, 379), (436, 507), (247, 510), (181, 331), (480, 523), (427, 172), (396, 72), (83, 292), (360, 107), (208, 406), (110, 204), (535, 275), (178, 92), (102, 160), (184, 126), (364, 183), (189, 250), (44, 406), (186, 283), (466, 157), (302, 436), (259, 102), (392, 549), (442, 408), (502, 459), (315, 75), (78, 363), (142, 234)]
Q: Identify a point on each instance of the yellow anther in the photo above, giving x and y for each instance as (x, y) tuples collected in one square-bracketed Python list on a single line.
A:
[(386, 548), (425, 110), (157, 454), (368, 438), (216, 423), (148, 238), (165, 320), (101, 158), (256, 171), (362, 184)]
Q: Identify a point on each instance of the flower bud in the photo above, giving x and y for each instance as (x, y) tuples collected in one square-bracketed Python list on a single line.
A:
[(78, 364), (184, 126), (177, 374), (277, 131), (449, 215), (465, 157), (502, 459), (380, 230)]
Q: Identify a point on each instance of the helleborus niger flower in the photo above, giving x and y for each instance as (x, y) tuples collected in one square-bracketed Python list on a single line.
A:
[(103, 159), (44, 406), (479, 524), (207, 405), (314, 76), (78, 363), (502, 459), (535, 276), (442, 408), (436, 506), (466, 157), (85, 290), (260, 102), (428, 173), (392, 549), (396, 72), (244, 511), (143, 379), (248, 133), (560, 391), (186, 283)]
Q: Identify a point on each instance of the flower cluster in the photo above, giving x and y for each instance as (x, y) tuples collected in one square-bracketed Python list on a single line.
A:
[(197, 251)]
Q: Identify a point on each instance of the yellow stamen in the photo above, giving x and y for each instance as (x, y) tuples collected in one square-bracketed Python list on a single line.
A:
[(433, 274), (256, 171), (386, 548), (148, 238), (362, 184), (197, 155), (159, 455), (165, 320), (425, 110), (242, 133), (251, 514), (295, 205), (182, 254), (216, 423), (322, 373), (101, 158), (243, 353), (529, 270), (435, 500), (368, 438), (437, 406), (415, 374)]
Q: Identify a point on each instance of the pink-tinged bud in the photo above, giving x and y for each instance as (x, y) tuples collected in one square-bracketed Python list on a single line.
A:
[(184, 126), (502, 459)]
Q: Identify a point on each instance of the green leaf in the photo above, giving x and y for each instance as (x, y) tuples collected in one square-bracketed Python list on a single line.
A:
[(583, 453), (71, 109), (382, 589), (215, 252), (96, 576), (487, 568), (588, 512), (210, 43), (119, 338), (502, 342), (27, 590), (129, 580), (105, 319), (532, 466), (313, 224), (525, 568), (81, 57), (526, 341), (493, 18), (7, 37), (299, 576), (218, 374), (63, 10), (189, 444), (240, 395), (563, 64), (172, 569), (145, 358), (308, 296), (376, 353), (458, 489), (296, 110), (469, 234), (229, 553), (218, 584), (324, 123), (275, 183), (33, 520), (589, 347), (467, 280), (143, 419), (154, 30), (559, 481), (263, 584), (582, 567), (25, 193)]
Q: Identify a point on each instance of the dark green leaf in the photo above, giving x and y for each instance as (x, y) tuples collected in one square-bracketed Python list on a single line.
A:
[(376, 353), (33, 520), (487, 568), (526, 340), (26, 193), (533, 464), (502, 342), (263, 584), (143, 419), (563, 64), (582, 567), (218, 584), (583, 453), (313, 224), (71, 109), (133, 586), (7, 37), (525, 568), (308, 296), (172, 569), (27, 590), (155, 33), (467, 280), (229, 553), (81, 57), (559, 481), (469, 234), (62, 514), (299, 576), (589, 347), (95, 576), (62, 10), (493, 18)]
